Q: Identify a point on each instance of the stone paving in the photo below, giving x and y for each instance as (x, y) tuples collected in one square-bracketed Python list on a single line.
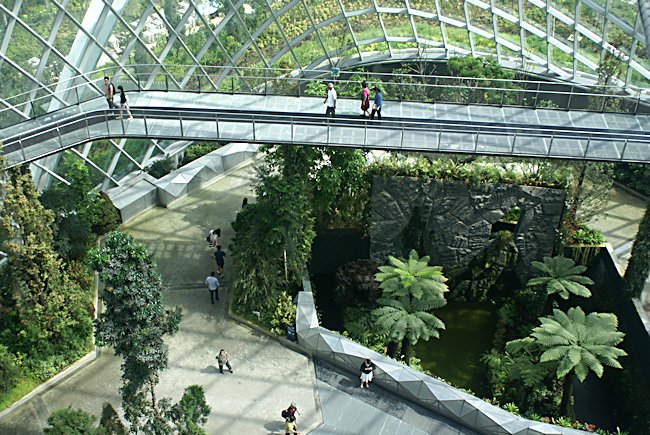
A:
[(267, 376)]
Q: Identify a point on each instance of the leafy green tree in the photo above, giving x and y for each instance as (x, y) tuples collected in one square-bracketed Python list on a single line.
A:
[(47, 313), (564, 278), (134, 322), (9, 370), (191, 412), (410, 289), (110, 421), (577, 343), (70, 421), (638, 267)]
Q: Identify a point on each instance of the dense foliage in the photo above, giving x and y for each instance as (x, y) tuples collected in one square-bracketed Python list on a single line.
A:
[(635, 176), (45, 308), (198, 150), (161, 167), (638, 267)]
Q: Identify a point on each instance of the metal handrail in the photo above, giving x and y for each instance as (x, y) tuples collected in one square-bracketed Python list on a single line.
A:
[(103, 116), (283, 76)]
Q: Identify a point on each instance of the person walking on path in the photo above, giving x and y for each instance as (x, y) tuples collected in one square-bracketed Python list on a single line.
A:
[(290, 426), (366, 372), (244, 203), (219, 256), (124, 103), (109, 92), (213, 237), (222, 359), (213, 286), (365, 100), (378, 102), (330, 100)]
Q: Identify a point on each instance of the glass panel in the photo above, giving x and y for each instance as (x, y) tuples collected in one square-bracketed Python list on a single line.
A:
[(25, 49), (39, 16), (560, 58), (508, 30), (391, 3), (366, 27), (481, 18), (535, 45), (562, 32), (232, 36), (358, 5), (124, 167), (270, 40), (308, 50), (156, 33), (618, 38), (452, 9), (624, 10), (336, 36), (65, 36), (511, 6), (429, 29), (534, 15), (592, 20), (101, 153), (321, 10), (397, 25), (457, 37), (484, 45), (589, 49), (566, 6), (424, 5)]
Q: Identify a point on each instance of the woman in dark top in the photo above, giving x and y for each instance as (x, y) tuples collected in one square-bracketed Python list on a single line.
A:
[(124, 102), (366, 372)]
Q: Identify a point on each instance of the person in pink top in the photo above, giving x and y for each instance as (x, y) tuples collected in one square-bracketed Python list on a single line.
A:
[(365, 100)]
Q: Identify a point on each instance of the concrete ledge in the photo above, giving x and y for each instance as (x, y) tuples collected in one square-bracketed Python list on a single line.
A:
[(425, 390), (52, 382)]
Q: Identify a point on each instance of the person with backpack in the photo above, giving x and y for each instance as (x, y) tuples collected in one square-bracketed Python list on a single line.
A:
[(378, 102), (290, 426), (109, 92), (124, 103), (289, 414)]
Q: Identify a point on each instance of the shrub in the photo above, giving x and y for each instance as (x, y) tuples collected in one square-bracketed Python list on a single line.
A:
[(70, 421), (9, 370), (585, 235), (284, 314), (160, 168), (635, 176), (198, 150), (111, 422), (108, 217)]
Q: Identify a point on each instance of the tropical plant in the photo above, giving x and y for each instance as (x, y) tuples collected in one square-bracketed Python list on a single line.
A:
[(577, 344), (638, 267), (284, 314), (9, 370), (408, 320), (69, 420), (413, 278), (564, 278), (410, 288), (160, 168)]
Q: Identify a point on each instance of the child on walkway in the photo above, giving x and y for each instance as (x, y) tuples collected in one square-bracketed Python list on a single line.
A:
[(222, 359)]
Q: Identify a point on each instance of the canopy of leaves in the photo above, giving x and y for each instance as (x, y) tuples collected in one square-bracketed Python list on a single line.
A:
[(404, 318), (413, 278), (577, 342), (564, 277)]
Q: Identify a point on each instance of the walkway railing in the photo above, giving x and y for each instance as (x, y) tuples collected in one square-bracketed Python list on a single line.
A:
[(267, 81), (317, 130)]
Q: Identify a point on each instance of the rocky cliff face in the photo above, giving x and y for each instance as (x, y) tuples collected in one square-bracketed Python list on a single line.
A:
[(453, 223)]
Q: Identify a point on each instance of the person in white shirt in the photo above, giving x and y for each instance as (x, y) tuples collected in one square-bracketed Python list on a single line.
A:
[(213, 286), (330, 101)]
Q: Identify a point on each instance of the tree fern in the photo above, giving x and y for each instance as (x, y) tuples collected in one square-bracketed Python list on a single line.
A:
[(564, 277)]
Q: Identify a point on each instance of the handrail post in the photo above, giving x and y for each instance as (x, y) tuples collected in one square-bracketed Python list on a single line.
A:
[(216, 119), (180, 120), (253, 118), (478, 131), (638, 102), (623, 152), (166, 83), (328, 131), (568, 106), (292, 137), (232, 85), (146, 128), (550, 145), (199, 77), (536, 97), (512, 148), (401, 139), (587, 147)]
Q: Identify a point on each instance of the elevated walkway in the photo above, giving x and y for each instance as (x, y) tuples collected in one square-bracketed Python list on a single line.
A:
[(408, 126)]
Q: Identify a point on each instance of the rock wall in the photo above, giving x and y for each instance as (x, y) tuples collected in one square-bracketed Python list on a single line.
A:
[(452, 222)]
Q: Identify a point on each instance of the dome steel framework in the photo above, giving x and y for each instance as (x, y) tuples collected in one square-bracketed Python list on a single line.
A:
[(50, 50)]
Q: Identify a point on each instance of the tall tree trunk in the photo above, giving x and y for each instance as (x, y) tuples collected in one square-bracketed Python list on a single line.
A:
[(152, 385), (639, 264), (392, 349), (566, 406), (548, 306), (406, 350)]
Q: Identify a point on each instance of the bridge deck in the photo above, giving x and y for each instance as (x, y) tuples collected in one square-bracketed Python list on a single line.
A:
[(410, 126)]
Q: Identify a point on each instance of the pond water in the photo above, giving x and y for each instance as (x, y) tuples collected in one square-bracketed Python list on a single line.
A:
[(456, 355)]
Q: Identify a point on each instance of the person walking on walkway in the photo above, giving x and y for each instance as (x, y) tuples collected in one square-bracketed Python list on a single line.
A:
[(124, 103), (365, 100), (330, 100), (219, 256), (213, 237), (290, 426), (378, 102), (213, 286), (109, 92), (222, 359), (366, 373)]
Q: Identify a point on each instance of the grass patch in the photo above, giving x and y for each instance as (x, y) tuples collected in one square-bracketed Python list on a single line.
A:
[(22, 388)]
